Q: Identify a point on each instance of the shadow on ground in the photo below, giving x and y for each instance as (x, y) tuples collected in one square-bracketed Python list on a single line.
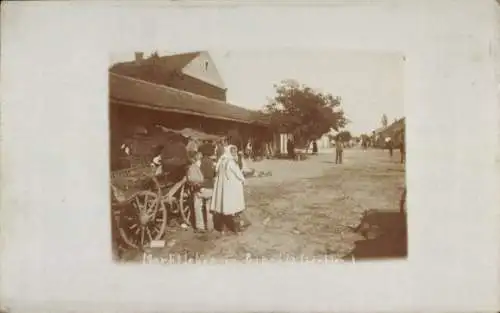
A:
[(385, 236)]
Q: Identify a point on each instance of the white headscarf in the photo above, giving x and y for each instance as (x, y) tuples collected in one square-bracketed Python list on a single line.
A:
[(227, 151), (225, 157)]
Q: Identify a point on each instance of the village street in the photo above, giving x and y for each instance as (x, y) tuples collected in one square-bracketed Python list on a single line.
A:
[(310, 208)]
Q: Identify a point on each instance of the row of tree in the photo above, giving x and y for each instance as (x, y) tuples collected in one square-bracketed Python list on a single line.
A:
[(308, 114)]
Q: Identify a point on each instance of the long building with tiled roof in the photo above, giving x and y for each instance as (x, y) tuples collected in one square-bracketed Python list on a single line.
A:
[(177, 92), (139, 93)]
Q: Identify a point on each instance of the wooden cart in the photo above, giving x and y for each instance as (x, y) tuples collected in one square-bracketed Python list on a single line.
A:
[(143, 203)]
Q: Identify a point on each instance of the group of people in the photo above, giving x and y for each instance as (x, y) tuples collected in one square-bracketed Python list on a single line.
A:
[(216, 180), (255, 149)]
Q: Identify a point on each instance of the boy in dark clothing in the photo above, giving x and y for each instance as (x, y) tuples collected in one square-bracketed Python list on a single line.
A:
[(201, 194), (402, 150)]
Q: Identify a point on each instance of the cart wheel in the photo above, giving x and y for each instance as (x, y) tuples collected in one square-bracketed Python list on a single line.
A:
[(172, 208), (143, 220), (186, 204)]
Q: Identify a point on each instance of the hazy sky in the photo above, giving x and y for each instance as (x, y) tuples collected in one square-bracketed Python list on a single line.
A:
[(370, 84)]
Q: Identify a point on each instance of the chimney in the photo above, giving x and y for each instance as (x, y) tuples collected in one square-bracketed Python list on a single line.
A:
[(139, 56)]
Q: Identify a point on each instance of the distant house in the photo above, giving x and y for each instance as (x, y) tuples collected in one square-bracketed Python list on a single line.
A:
[(193, 72), (394, 131), (324, 142)]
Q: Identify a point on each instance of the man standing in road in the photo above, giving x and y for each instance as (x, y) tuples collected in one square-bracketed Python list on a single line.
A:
[(339, 150), (290, 149), (402, 150)]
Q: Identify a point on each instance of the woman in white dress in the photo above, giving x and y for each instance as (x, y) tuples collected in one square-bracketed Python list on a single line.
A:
[(228, 200)]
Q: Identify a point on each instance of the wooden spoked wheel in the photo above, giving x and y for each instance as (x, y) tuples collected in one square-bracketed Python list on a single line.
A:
[(143, 219), (173, 207), (186, 204)]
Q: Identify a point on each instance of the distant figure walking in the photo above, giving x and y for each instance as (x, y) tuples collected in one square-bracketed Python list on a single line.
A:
[(157, 163), (339, 150), (124, 157), (290, 149), (315, 147), (270, 150), (402, 150), (249, 150), (389, 145), (402, 202)]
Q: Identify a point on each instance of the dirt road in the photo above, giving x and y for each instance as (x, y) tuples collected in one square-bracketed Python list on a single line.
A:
[(310, 208)]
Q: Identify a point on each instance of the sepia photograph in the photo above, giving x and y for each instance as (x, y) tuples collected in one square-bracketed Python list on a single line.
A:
[(250, 156), (256, 156)]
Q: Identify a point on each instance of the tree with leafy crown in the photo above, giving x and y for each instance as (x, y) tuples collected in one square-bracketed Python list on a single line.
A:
[(305, 113)]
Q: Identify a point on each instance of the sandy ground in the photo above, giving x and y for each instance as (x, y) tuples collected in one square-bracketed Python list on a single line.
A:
[(308, 209)]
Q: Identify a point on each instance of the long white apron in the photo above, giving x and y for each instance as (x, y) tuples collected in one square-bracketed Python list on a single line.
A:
[(228, 195)]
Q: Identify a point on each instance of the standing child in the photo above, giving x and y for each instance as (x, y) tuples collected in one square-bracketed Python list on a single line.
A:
[(195, 179), (208, 171)]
